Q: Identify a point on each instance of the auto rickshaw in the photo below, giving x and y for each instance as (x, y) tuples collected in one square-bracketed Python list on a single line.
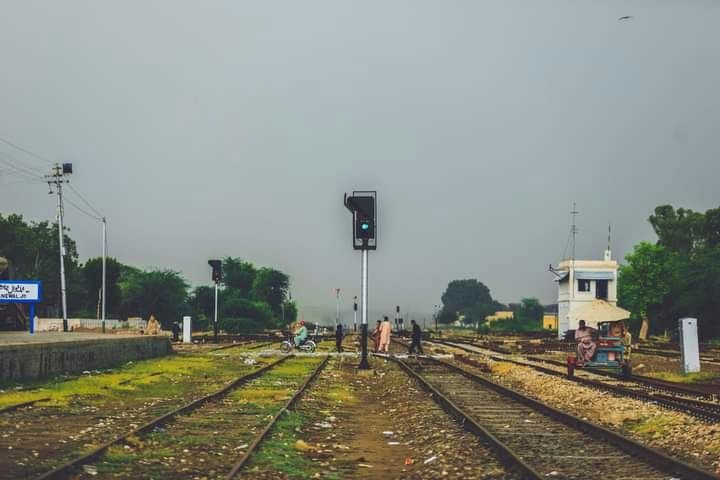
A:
[(612, 353)]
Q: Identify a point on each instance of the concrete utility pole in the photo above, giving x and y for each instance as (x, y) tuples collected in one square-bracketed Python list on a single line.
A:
[(104, 270), (57, 178)]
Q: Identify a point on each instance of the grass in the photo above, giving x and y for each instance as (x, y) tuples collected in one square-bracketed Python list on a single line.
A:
[(685, 377), (278, 452), (159, 377), (654, 427)]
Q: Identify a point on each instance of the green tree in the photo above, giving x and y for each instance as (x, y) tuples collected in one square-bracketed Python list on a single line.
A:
[(162, 293), (91, 273), (239, 275), (33, 250), (469, 298), (271, 286), (645, 280)]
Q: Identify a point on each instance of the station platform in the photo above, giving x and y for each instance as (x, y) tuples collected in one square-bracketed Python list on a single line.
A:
[(30, 357)]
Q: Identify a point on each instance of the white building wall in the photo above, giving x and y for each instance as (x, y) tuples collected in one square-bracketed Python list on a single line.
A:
[(570, 298)]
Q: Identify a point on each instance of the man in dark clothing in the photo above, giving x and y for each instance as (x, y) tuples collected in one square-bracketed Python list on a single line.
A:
[(176, 332), (416, 337), (339, 338)]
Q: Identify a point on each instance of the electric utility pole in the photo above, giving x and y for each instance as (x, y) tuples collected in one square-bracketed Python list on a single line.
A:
[(363, 206), (57, 178), (104, 270)]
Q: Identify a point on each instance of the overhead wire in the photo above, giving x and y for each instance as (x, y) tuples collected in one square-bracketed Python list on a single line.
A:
[(89, 205), (82, 210), (26, 151)]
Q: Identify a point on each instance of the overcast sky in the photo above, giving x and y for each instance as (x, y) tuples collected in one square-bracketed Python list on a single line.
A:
[(212, 128)]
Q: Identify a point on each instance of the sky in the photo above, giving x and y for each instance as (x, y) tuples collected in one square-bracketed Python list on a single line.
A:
[(206, 129)]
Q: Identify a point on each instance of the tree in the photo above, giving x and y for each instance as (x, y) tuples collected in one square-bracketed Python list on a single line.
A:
[(271, 286), (530, 311), (33, 250), (645, 280), (91, 273), (162, 293), (469, 298), (239, 275)]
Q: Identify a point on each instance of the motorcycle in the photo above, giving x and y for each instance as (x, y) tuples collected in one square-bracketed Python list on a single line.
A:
[(308, 346)]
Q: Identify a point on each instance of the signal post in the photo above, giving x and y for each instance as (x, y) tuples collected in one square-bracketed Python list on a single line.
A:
[(363, 206)]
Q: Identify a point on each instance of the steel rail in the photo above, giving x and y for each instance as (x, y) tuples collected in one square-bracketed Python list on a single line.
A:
[(10, 408), (706, 411), (505, 454), (62, 471), (264, 433), (638, 450), (648, 381)]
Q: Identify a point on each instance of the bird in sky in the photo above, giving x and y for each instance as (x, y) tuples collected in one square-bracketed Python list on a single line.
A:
[(626, 17)]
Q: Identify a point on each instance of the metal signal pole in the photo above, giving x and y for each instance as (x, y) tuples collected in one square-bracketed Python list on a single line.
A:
[(215, 323), (337, 301), (364, 364), (355, 313)]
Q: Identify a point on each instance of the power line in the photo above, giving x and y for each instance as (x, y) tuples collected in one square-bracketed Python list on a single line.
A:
[(20, 169), (80, 209), (86, 202), (25, 150)]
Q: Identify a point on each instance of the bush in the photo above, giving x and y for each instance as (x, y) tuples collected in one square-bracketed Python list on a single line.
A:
[(241, 325)]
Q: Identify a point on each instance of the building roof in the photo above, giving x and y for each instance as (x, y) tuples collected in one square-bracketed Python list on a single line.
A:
[(598, 311)]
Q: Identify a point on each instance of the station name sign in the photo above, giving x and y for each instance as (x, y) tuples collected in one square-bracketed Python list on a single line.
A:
[(19, 291)]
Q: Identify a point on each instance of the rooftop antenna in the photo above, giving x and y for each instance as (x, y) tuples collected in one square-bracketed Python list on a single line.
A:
[(608, 252), (573, 230)]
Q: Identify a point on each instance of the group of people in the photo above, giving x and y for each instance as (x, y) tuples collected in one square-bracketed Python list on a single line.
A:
[(383, 331), (381, 336), (585, 338)]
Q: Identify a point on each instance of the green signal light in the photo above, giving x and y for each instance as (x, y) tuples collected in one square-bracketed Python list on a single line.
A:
[(364, 226)]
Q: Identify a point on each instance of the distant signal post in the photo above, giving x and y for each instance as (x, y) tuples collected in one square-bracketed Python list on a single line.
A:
[(363, 206), (217, 278)]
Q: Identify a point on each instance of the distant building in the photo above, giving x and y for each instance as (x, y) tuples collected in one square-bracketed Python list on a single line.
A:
[(550, 321), (580, 282), (501, 315)]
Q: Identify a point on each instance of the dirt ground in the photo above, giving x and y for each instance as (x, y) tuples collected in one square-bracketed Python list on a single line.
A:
[(373, 426)]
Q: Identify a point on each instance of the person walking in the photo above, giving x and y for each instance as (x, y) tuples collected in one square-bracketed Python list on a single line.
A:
[(385, 332), (375, 335), (416, 338), (176, 331), (339, 338)]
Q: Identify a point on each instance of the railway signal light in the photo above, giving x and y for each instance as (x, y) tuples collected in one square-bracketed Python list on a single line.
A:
[(216, 270), (363, 207)]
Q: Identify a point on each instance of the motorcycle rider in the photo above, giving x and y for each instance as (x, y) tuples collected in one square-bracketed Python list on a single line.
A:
[(301, 334)]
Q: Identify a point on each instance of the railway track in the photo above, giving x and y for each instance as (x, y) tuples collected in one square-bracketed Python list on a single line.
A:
[(537, 439), (706, 411), (214, 410), (693, 390)]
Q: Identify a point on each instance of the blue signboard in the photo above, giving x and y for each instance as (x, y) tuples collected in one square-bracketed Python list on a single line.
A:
[(22, 291)]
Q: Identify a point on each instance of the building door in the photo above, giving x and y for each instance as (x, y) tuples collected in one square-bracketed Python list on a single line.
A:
[(601, 289)]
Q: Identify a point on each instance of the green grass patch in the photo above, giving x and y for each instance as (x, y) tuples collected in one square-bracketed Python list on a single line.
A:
[(653, 427), (685, 378), (158, 377), (278, 452)]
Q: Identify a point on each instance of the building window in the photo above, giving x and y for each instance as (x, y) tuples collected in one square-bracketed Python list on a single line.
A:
[(583, 285), (601, 289)]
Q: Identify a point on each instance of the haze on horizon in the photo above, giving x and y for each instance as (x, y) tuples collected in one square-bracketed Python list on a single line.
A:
[(227, 128)]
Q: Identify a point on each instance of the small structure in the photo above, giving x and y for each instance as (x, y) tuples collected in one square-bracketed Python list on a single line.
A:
[(582, 282), (501, 315), (550, 321)]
